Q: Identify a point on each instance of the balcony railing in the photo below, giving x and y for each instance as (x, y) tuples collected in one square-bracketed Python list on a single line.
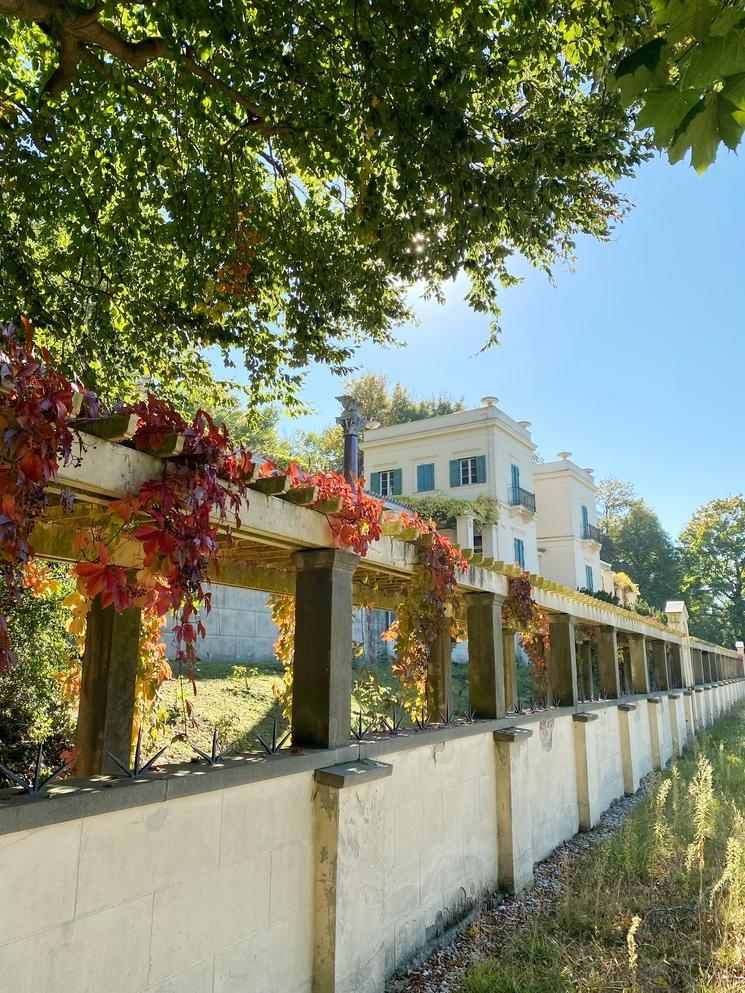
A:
[(591, 533), (518, 497)]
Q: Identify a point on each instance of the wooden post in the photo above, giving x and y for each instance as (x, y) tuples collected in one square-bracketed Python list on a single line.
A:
[(107, 689), (609, 683), (485, 655), (322, 676), (562, 672)]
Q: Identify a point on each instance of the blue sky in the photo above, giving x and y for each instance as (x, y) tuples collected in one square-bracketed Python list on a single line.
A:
[(634, 361)]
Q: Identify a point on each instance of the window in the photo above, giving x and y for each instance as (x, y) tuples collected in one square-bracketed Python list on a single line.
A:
[(515, 475), (386, 483), (589, 581), (520, 552), (464, 472), (478, 543), (425, 477), (585, 524)]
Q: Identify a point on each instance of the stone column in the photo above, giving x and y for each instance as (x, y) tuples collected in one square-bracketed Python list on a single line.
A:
[(659, 664), (584, 668), (706, 667), (673, 701), (489, 543), (629, 753), (607, 648), (562, 672), (690, 713), (638, 663), (587, 760), (349, 887), (514, 811), (676, 665), (510, 670), (485, 655), (440, 672), (464, 530), (698, 667), (107, 689), (322, 675), (654, 704)]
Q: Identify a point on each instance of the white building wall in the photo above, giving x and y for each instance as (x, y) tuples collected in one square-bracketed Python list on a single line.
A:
[(562, 488), (486, 431)]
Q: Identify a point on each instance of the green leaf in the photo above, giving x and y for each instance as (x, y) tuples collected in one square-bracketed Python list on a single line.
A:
[(713, 121), (719, 57), (664, 111), (637, 71)]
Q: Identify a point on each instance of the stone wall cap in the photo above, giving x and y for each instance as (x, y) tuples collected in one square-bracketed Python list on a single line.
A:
[(512, 734), (353, 773), (673, 696), (626, 706), (688, 692), (583, 717), (698, 689), (654, 699)]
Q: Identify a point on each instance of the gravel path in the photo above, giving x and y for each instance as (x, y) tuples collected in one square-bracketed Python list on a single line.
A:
[(441, 970)]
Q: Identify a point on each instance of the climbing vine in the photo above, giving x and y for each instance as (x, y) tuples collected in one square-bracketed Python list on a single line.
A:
[(520, 613)]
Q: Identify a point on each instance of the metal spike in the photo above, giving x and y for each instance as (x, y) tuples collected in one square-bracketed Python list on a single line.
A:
[(137, 769), (37, 784), (275, 745)]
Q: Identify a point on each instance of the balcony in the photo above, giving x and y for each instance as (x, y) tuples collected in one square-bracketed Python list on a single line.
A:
[(591, 533), (523, 499)]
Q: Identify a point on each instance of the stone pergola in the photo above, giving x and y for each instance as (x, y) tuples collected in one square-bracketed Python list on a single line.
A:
[(283, 546)]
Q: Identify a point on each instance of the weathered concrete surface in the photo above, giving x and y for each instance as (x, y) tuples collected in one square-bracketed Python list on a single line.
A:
[(291, 884)]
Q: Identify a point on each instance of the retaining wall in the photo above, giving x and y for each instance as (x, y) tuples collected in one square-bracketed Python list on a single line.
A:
[(309, 873)]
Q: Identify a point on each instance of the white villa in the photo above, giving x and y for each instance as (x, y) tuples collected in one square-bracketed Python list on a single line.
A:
[(472, 453), (547, 520), (566, 523)]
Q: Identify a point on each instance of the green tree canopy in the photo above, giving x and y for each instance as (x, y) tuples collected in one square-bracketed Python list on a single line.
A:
[(687, 81), (271, 177), (615, 498), (637, 544), (713, 551)]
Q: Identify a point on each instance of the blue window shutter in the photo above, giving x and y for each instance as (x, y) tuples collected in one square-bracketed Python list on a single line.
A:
[(455, 472), (397, 482), (516, 477), (520, 552), (585, 518), (589, 583), (425, 477), (481, 469), (375, 482)]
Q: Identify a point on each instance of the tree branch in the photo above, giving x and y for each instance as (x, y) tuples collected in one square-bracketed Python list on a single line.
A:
[(76, 30)]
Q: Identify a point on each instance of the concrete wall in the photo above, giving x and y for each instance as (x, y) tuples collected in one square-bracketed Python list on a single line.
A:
[(307, 873), (240, 628)]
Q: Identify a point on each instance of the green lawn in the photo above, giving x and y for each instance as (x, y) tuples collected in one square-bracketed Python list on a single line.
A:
[(660, 905), (239, 701)]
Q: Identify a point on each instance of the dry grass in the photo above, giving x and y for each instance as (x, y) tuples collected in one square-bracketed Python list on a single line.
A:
[(658, 906)]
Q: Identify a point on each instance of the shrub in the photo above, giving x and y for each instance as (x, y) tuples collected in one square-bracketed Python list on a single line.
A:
[(32, 707)]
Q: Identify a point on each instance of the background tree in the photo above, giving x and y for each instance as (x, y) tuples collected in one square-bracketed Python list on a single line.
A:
[(636, 543), (713, 552), (271, 178), (615, 498)]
